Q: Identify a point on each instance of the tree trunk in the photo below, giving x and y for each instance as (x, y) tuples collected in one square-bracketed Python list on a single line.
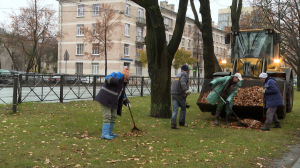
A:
[(236, 10), (159, 66), (208, 46), (160, 56)]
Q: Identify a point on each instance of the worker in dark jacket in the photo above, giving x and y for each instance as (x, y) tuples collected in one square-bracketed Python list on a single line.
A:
[(227, 87), (272, 99), (111, 97), (179, 92)]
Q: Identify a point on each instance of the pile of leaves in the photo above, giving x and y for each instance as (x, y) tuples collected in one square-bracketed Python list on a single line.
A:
[(251, 123), (248, 96)]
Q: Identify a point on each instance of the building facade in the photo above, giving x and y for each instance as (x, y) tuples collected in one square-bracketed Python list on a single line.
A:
[(127, 38), (224, 17)]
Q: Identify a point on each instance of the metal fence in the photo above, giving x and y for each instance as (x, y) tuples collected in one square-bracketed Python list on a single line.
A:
[(62, 88)]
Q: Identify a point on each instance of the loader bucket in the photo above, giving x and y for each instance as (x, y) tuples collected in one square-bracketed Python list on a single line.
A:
[(254, 112)]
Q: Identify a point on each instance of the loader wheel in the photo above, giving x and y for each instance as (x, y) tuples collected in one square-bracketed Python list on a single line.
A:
[(289, 97)]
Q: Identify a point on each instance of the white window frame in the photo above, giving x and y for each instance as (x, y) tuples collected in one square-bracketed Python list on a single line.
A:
[(79, 30), (80, 11), (182, 42), (189, 44), (127, 29), (96, 9), (127, 11), (95, 48), (126, 49), (139, 31), (140, 13), (138, 70), (95, 68), (79, 49), (79, 68)]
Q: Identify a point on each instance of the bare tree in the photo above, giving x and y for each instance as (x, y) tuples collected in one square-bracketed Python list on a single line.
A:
[(160, 55), (32, 26), (284, 15), (211, 64), (100, 35)]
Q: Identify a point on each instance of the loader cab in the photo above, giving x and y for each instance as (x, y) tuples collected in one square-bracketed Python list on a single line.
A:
[(255, 51)]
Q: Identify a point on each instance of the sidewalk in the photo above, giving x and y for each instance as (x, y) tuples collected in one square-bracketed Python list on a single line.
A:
[(297, 163)]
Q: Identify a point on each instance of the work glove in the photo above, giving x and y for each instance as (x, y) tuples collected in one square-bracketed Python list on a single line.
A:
[(210, 85), (126, 102), (263, 91), (187, 92)]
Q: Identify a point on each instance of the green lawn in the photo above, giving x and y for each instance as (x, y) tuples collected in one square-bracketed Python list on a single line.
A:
[(68, 135)]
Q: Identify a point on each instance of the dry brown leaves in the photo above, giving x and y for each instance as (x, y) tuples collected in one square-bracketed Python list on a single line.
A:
[(248, 96), (136, 134), (251, 123)]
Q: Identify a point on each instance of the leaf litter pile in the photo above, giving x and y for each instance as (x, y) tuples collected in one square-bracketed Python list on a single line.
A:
[(251, 123), (248, 96)]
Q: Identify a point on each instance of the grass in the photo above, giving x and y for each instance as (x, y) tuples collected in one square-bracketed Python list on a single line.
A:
[(68, 135)]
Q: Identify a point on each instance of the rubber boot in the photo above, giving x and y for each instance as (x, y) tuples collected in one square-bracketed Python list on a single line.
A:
[(277, 125), (217, 117), (227, 119), (265, 128), (111, 129), (105, 132)]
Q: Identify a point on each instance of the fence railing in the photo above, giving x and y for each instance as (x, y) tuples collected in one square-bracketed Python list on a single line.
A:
[(62, 88)]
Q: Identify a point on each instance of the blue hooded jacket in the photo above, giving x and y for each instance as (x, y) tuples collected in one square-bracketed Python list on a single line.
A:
[(111, 93), (272, 94)]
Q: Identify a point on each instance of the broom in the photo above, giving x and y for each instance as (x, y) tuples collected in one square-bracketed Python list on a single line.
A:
[(134, 129)]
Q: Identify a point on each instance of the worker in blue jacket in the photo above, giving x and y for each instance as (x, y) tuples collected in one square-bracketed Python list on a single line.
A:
[(111, 98), (272, 99)]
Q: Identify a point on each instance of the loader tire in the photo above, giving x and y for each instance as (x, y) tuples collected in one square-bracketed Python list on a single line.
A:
[(289, 96)]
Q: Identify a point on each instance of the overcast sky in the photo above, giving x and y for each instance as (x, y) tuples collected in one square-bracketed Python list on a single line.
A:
[(13, 5)]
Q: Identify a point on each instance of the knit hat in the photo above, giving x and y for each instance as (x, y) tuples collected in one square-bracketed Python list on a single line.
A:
[(239, 76), (184, 67), (263, 75)]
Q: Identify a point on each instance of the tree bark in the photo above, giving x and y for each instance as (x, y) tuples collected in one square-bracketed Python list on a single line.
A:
[(160, 56), (236, 10), (205, 27)]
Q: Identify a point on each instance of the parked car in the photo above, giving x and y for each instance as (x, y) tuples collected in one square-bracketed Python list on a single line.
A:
[(71, 79), (5, 75), (55, 79), (87, 79)]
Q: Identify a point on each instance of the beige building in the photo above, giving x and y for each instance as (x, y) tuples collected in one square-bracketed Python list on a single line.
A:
[(127, 39), (224, 17)]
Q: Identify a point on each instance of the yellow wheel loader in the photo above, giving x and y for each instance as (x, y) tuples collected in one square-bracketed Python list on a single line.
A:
[(255, 51)]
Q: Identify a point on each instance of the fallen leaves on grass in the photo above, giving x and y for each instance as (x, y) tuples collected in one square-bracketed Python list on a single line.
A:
[(138, 134)]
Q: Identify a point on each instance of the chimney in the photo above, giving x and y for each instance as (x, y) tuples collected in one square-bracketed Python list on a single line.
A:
[(164, 4)]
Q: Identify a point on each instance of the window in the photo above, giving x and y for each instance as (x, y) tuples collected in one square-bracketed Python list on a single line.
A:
[(94, 27), (182, 43), (95, 68), (80, 30), (96, 9), (127, 27), (217, 50), (127, 12), (168, 22), (217, 38), (167, 38), (138, 70), (126, 49), (79, 68), (221, 39), (95, 49), (80, 11), (79, 49), (189, 44), (139, 32), (137, 50), (189, 29), (140, 13)]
